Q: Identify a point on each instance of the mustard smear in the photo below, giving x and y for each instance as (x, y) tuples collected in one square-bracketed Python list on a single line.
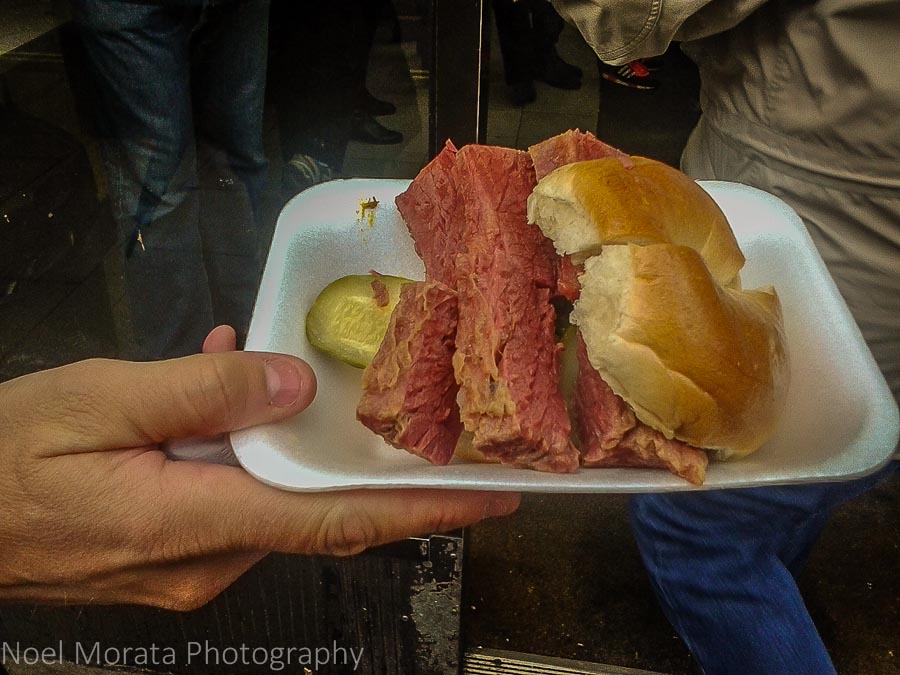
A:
[(365, 214)]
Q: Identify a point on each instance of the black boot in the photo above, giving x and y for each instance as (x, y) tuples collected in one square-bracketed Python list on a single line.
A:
[(366, 129), (550, 68), (521, 93), (375, 106)]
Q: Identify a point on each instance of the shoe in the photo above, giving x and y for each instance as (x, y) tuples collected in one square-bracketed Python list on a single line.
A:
[(557, 73), (632, 75), (552, 59), (375, 106), (521, 93), (366, 129), (301, 172)]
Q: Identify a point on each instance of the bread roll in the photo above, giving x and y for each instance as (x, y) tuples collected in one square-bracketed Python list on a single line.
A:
[(586, 205), (696, 361)]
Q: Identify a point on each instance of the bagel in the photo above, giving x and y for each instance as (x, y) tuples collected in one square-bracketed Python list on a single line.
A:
[(584, 206), (696, 361)]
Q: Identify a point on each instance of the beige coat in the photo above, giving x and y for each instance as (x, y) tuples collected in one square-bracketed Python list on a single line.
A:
[(801, 99)]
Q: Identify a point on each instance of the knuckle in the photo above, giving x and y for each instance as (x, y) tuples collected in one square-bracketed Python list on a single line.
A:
[(169, 543), (161, 536), (78, 402), (346, 534), (443, 520), (217, 393), (189, 599), (164, 547), (188, 591)]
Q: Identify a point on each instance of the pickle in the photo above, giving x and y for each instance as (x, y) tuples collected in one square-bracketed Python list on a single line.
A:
[(568, 365), (350, 316), (568, 377)]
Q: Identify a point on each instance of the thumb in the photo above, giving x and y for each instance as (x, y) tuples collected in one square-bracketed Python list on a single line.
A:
[(102, 404)]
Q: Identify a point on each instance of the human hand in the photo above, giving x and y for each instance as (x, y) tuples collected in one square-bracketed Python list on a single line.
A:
[(92, 511)]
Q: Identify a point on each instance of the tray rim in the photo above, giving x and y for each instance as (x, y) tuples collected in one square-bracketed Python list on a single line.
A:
[(247, 446)]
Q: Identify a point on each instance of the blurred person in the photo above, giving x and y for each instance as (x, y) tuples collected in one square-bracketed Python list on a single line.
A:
[(178, 97), (364, 128), (320, 61), (528, 31), (799, 99), (92, 510)]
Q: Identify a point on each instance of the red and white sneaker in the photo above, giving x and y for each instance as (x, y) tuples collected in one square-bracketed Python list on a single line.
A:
[(634, 75)]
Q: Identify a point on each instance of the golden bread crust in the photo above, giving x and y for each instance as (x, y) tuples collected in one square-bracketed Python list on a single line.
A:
[(698, 362), (638, 202)]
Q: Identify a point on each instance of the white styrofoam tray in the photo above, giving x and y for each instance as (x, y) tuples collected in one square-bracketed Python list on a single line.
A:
[(840, 419)]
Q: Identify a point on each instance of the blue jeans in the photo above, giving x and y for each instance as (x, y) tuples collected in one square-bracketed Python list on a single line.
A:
[(179, 111), (723, 565)]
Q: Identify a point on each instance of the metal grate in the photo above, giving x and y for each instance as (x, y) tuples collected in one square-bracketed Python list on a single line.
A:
[(496, 662)]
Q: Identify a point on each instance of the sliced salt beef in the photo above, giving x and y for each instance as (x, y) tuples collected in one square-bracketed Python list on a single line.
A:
[(566, 148), (567, 284), (643, 447), (602, 418), (409, 390), (379, 291), (611, 435), (507, 359), (434, 219), (569, 147)]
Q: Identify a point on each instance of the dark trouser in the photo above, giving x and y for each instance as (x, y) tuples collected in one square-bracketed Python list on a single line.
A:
[(528, 32), (319, 70), (179, 104), (723, 565)]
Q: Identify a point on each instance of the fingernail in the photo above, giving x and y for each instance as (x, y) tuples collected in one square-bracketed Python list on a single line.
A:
[(283, 382), (498, 507)]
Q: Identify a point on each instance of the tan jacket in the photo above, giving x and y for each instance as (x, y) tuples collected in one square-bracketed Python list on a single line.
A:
[(822, 74), (802, 99)]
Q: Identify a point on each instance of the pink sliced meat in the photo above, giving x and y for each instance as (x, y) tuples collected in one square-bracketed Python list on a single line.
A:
[(507, 359), (433, 216), (569, 147), (644, 447), (612, 436), (603, 418), (379, 291), (567, 284), (409, 390)]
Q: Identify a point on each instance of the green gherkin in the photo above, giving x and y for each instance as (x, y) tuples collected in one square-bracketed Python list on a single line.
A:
[(350, 316)]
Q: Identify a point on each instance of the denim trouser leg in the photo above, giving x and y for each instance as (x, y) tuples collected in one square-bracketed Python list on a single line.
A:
[(141, 59), (722, 564), (229, 66)]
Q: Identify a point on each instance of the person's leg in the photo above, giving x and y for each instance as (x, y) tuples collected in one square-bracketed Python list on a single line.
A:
[(364, 27), (516, 43), (137, 57), (848, 229), (794, 553), (360, 24), (722, 564), (229, 78), (723, 588), (313, 72), (547, 25)]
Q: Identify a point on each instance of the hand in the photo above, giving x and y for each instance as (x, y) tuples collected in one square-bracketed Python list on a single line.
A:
[(91, 511)]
